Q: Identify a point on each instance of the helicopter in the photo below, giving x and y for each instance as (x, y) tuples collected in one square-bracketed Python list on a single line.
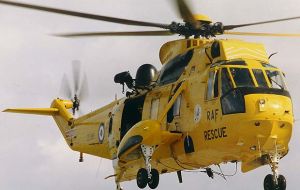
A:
[(213, 101)]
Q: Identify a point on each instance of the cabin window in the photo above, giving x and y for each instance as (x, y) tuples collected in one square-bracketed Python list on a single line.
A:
[(226, 82), (176, 106), (275, 79), (175, 110), (212, 85), (260, 78), (211, 76), (242, 77), (174, 68)]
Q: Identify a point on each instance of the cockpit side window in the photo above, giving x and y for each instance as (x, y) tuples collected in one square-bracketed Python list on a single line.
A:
[(268, 65), (226, 82), (212, 85), (260, 78), (275, 79), (242, 77)]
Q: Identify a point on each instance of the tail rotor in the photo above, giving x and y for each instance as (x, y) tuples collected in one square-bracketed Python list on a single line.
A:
[(77, 92)]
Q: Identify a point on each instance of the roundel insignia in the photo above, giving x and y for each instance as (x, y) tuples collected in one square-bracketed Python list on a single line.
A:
[(197, 113), (101, 133)]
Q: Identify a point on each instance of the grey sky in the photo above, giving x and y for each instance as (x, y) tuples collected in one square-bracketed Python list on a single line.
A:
[(34, 155)]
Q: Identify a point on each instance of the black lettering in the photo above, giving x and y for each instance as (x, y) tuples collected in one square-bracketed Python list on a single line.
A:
[(216, 114), (216, 131), (205, 135), (208, 115), (224, 131), (220, 134), (212, 115), (208, 136)]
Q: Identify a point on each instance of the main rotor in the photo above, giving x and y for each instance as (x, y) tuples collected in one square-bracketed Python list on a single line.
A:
[(193, 26)]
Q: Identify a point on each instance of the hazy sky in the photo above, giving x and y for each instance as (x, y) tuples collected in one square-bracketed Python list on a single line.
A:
[(33, 154)]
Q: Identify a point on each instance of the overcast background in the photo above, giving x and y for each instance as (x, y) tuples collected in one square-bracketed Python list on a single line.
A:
[(33, 154)]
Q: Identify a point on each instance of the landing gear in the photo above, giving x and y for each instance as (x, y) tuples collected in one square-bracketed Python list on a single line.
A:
[(154, 180), (274, 181), (119, 186), (269, 182), (142, 178), (149, 175), (281, 182)]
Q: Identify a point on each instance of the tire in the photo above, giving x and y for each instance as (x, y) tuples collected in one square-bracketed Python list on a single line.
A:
[(142, 178), (269, 183), (281, 182), (154, 181)]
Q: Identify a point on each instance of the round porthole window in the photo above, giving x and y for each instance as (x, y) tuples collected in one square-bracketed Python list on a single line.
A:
[(101, 133)]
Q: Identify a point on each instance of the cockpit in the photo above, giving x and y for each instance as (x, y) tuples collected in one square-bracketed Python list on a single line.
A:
[(232, 80)]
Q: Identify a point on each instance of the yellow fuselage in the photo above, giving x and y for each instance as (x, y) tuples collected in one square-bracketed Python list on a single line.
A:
[(194, 120)]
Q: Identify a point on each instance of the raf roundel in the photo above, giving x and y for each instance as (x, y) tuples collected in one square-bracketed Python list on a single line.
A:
[(101, 133), (197, 113)]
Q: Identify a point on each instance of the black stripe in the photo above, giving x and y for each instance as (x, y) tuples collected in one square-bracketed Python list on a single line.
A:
[(249, 90)]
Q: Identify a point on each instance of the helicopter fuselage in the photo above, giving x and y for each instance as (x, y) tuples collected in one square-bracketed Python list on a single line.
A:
[(230, 110), (214, 101)]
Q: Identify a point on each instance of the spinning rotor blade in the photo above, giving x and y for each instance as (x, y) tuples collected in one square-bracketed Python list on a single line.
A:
[(76, 75), (192, 27), (185, 12), (65, 89), (83, 92), (137, 33), (85, 15), (230, 27), (80, 91), (261, 34)]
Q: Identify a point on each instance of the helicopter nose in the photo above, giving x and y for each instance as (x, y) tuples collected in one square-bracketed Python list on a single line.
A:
[(269, 106), (274, 106), (270, 122)]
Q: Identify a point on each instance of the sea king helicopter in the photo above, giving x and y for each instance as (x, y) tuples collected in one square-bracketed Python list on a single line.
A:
[(213, 101)]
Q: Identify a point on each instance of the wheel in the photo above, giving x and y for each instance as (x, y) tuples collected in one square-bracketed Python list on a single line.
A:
[(281, 182), (142, 178), (119, 187), (269, 183), (154, 181)]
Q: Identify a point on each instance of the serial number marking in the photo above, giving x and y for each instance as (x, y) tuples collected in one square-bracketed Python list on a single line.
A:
[(215, 134)]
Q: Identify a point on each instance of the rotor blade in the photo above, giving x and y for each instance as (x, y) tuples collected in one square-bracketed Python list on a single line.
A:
[(65, 89), (76, 75), (85, 15), (230, 27), (83, 92), (262, 34), (185, 12), (133, 33)]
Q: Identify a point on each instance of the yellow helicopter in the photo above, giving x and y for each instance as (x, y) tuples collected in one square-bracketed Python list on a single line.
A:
[(214, 101)]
